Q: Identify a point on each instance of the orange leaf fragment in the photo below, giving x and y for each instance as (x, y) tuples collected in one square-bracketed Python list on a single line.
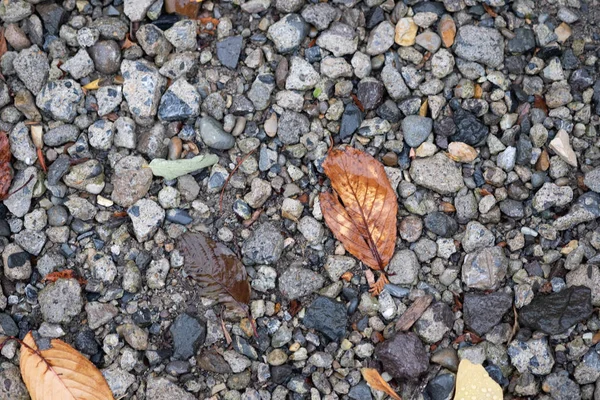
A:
[(361, 211), (3, 45), (375, 380), (64, 274), (59, 372)]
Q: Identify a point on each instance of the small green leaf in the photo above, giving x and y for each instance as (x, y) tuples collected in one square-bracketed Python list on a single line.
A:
[(171, 169), (317, 92)]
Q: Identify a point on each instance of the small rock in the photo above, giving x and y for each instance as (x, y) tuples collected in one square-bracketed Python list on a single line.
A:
[(212, 134), (438, 173), (60, 301), (328, 317), (264, 246), (188, 335), (298, 282), (403, 356), (485, 268), (147, 216), (482, 312)]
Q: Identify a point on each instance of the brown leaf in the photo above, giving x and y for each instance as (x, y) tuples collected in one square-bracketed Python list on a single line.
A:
[(424, 108), (3, 45), (461, 152), (374, 379), (414, 312), (490, 11), (540, 103), (596, 338), (361, 212), (59, 372), (447, 30), (64, 274), (187, 8), (217, 269), (6, 173)]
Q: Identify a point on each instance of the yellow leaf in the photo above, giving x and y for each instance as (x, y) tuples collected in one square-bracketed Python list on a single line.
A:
[(423, 109), (374, 379), (60, 372), (473, 382), (93, 85)]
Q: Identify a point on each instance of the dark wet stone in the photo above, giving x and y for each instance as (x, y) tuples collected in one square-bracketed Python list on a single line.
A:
[(512, 208), (228, 51), (53, 16), (440, 387), (85, 342), (360, 392), (58, 169), (313, 54), (523, 41), (403, 356), (484, 311), (468, 127), (370, 93), (374, 17), (179, 216), (242, 346), (106, 55), (429, 6), (389, 111), (550, 51), (17, 260), (441, 224), (4, 228), (581, 79), (596, 97), (328, 317), (280, 374), (524, 150), (569, 60), (212, 361), (188, 335), (557, 312), (351, 120), (8, 325)]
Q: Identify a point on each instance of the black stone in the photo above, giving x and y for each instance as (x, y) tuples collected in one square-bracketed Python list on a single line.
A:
[(313, 54), (441, 224), (440, 387), (370, 93), (469, 129), (212, 361), (484, 311), (188, 335), (429, 6), (581, 79), (351, 120), (280, 374), (374, 17), (550, 51), (403, 356), (4, 228), (328, 317), (17, 260), (523, 41), (515, 64), (557, 312), (524, 150), (569, 60), (85, 342), (596, 97), (179, 216), (512, 208), (228, 51)]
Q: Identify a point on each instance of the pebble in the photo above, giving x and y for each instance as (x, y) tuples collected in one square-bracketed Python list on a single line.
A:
[(146, 216), (327, 316), (403, 356), (298, 282)]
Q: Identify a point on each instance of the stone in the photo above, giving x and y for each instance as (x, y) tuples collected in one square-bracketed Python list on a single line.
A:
[(60, 301), (336, 266), (405, 32), (320, 15), (394, 83), (435, 322), (179, 102), (351, 120), (21, 146), (534, 356), (79, 66), (586, 208), (561, 146), (480, 44), (340, 39), (100, 134), (99, 314), (188, 335), (229, 50), (416, 129), (476, 237), (109, 98), (12, 387), (438, 173), (17, 263), (32, 68), (550, 195), (380, 39), (136, 9), (482, 312), (559, 386), (264, 246), (60, 99), (296, 282), (212, 134), (162, 389), (147, 216), (469, 129), (302, 75), (557, 312), (88, 176), (291, 126), (19, 201), (441, 224), (592, 180), (403, 356), (328, 317), (60, 135), (142, 87), (106, 55), (288, 33), (182, 35), (485, 268), (523, 41)]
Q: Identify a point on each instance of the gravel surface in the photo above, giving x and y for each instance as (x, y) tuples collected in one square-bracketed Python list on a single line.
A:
[(497, 258)]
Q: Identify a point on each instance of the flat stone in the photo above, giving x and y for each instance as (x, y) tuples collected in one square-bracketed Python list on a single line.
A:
[(438, 173), (328, 317), (298, 282), (480, 44), (482, 312), (403, 356)]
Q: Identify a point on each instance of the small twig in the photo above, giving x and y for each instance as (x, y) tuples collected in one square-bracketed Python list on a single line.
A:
[(16, 190), (229, 177), (225, 333), (515, 325)]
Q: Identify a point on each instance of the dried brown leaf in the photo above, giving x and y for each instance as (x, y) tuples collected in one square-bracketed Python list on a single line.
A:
[(374, 379), (59, 372), (3, 45), (361, 211), (217, 269), (187, 8), (540, 103), (461, 152), (6, 173)]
